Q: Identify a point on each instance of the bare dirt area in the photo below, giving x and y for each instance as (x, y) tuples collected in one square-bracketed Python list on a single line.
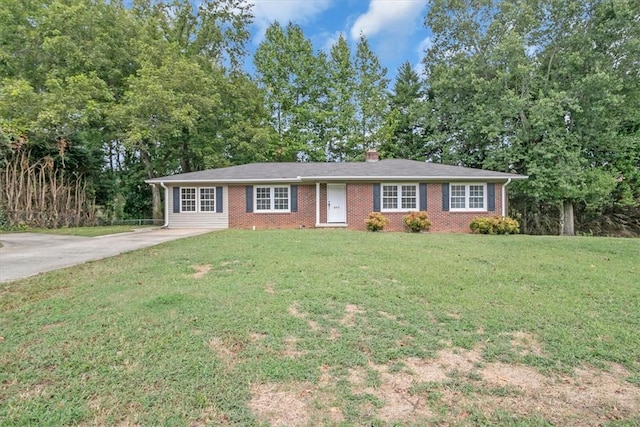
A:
[(450, 388), (588, 398), (200, 271)]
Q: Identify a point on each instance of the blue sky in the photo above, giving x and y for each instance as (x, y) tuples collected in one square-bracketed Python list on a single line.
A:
[(394, 28)]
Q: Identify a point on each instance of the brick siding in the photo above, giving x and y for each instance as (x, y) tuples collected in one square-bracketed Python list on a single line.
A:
[(304, 218), (359, 205)]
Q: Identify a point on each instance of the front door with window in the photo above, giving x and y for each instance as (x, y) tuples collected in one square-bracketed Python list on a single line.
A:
[(336, 203)]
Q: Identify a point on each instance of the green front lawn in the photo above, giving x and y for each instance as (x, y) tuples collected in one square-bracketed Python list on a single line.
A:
[(87, 231), (330, 327)]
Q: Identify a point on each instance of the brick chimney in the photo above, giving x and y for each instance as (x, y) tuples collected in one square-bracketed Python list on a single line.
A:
[(372, 156)]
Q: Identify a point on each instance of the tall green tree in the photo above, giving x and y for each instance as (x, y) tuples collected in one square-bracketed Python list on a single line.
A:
[(154, 88), (371, 97), (188, 107), (61, 64), (342, 135), (536, 88), (212, 30), (288, 71), (407, 122)]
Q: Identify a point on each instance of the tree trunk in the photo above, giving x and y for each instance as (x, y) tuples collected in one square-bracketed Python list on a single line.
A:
[(156, 202), (185, 164), (566, 219), (156, 208)]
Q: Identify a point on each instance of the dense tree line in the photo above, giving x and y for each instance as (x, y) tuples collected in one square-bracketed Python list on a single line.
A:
[(95, 97), (110, 95), (546, 88)]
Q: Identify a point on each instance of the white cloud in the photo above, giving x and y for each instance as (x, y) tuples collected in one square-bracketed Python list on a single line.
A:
[(389, 16), (329, 39), (423, 46), (298, 11)]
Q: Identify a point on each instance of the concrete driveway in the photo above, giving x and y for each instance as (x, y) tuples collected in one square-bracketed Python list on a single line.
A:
[(27, 254)]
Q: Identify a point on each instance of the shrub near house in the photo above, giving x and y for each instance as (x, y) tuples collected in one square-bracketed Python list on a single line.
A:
[(417, 221), (494, 225), (376, 221)]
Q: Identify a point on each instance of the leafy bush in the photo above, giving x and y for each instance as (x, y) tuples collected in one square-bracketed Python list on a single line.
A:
[(7, 225), (417, 221), (376, 221), (494, 225)]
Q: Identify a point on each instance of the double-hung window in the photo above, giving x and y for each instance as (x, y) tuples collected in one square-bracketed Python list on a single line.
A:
[(272, 199), (207, 199), (198, 199), (188, 201), (467, 197), (399, 197)]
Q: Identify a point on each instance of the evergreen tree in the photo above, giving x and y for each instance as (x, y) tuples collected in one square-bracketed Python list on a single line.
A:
[(371, 97), (407, 119)]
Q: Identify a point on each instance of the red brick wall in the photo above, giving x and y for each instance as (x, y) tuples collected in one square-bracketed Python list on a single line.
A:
[(305, 217), (323, 203), (456, 222), (359, 205)]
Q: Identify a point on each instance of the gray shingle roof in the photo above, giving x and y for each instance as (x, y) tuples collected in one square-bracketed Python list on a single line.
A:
[(390, 169)]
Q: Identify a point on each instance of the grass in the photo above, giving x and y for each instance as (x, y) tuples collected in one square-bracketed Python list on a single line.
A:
[(87, 231), (138, 339)]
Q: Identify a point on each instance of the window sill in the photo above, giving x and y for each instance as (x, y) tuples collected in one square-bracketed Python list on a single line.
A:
[(398, 210)]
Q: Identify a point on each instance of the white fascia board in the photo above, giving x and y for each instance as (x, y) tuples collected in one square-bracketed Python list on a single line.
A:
[(224, 181), (334, 178), (411, 178)]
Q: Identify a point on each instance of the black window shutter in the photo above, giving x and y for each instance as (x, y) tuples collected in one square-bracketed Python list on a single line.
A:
[(491, 192), (219, 200), (294, 198), (445, 196), (423, 196), (376, 197), (176, 199), (249, 190)]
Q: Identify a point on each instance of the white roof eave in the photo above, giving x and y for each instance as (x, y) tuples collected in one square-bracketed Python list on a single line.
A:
[(335, 178)]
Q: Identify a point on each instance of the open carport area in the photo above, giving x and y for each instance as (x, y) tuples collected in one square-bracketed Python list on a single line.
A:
[(26, 254)]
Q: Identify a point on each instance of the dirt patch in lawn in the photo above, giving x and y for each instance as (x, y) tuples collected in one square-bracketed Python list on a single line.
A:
[(294, 404), (200, 271), (526, 343), (350, 312), (393, 390), (295, 312), (46, 328), (291, 348), (456, 382), (589, 397), (227, 352)]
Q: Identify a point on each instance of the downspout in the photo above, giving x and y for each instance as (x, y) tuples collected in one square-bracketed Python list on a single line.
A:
[(166, 205), (504, 197)]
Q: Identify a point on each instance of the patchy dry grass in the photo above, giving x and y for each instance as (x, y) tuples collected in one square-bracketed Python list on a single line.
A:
[(326, 327)]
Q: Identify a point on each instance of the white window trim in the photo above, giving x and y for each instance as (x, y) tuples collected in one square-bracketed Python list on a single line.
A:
[(399, 186), (197, 191), (215, 200), (467, 195), (272, 199)]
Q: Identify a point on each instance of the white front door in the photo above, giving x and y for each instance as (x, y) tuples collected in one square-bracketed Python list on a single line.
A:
[(337, 203)]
